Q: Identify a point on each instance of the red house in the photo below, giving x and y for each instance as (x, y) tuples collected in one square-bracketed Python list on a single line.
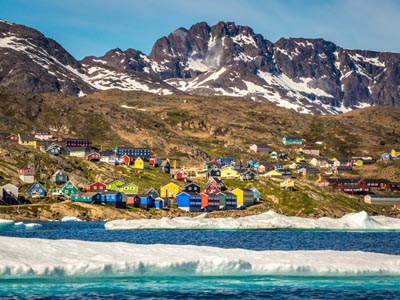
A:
[(126, 159), (97, 187), (181, 175), (94, 156), (132, 200), (13, 138), (211, 189)]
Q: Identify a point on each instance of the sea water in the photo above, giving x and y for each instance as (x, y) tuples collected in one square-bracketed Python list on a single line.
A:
[(83, 260)]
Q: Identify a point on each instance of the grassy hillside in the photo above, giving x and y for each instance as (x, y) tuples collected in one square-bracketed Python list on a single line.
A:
[(192, 130)]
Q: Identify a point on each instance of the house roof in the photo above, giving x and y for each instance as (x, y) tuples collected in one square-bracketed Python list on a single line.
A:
[(110, 192), (26, 137)]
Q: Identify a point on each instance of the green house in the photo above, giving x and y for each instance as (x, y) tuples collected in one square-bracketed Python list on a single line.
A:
[(87, 197), (129, 188), (68, 189), (113, 185)]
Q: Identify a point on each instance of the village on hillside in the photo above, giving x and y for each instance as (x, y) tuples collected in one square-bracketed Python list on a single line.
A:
[(330, 173)]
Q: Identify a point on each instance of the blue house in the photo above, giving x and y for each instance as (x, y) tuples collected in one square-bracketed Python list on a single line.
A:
[(113, 198), (134, 152), (165, 166), (292, 140), (60, 177), (36, 190), (146, 201), (386, 156), (159, 203), (189, 201), (256, 194), (153, 193)]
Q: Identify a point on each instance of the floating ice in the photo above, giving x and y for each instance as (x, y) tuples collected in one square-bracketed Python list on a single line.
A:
[(268, 219), (80, 258), (33, 225), (70, 219), (6, 222)]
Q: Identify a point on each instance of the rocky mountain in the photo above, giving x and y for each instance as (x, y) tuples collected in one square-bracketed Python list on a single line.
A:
[(308, 75), (31, 62)]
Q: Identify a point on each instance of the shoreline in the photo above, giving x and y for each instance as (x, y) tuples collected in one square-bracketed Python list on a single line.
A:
[(90, 212)]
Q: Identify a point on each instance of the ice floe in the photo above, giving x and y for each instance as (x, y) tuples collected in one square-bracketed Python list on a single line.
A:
[(81, 258), (269, 219)]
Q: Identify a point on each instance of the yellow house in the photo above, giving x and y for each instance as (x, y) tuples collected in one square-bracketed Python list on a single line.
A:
[(395, 153), (293, 166), (27, 140), (314, 162), (169, 190), (300, 158), (287, 184), (245, 197), (273, 173), (139, 163), (229, 173)]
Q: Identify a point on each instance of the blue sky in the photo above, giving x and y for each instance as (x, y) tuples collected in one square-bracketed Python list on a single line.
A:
[(92, 27)]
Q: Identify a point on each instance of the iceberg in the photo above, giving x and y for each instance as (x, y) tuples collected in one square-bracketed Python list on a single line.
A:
[(270, 219), (70, 219), (6, 222), (33, 225), (63, 258)]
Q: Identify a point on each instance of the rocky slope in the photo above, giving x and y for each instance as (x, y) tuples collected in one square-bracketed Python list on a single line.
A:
[(308, 75)]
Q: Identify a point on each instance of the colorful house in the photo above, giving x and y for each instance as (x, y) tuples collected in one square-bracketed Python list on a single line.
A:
[(139, 163), (395, 152), (27, 140), (287, 184), (256, 194), (169, 190), (209, 202), (229, 173), (260, 148), (247, 175), (60, 177), (68, 189), (126, 159), (113, 198), (159, 203), (189, 201), (54, 149), (129, 188), (227, 200), (37, 190), (211, 189), (146, 201), (90, 197), (93, 156), (97, 187), (113, 185), (132, 200), (217, 182), (287, 140), (153, 193), (132, 152), (386, 156), (165, 166), (214, 171), (192, 188), (274, 155), (69, 142), (27, 173), (273, 173), (181, 175), (245, 197), (314, 162)]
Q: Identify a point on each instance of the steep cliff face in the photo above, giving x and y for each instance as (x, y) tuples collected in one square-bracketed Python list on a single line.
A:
[(308, 75)]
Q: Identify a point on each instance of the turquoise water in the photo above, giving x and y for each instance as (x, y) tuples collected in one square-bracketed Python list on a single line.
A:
[(209, 287), (250, 287)]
